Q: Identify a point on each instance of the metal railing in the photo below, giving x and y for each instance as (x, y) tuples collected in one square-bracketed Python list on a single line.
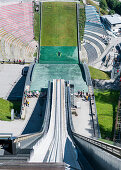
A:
[(114, 150), (5, 136)]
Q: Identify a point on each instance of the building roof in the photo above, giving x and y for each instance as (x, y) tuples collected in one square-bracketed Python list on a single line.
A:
[(113, 19)]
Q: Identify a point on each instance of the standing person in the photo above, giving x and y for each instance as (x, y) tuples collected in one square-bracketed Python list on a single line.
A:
[(83, 93), (78, 93), (89, 97), (28, 103)]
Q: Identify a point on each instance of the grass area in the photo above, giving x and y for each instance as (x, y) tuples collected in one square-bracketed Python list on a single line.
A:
[(5, 109), (106, 141), (106, 103), (36, 25), (81, 2), (102, 12), (59, 26), (98, 74)]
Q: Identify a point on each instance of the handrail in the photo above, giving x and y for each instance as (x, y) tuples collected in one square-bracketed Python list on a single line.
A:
[(5, 136), (114, 150), (27, 136)]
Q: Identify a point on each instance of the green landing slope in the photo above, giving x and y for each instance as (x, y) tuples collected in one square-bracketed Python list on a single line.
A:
[(58, 25), (58, 43), (58, 55)]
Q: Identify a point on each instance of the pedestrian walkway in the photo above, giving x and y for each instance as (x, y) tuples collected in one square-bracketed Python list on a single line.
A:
[(83, 121), (10, 76)]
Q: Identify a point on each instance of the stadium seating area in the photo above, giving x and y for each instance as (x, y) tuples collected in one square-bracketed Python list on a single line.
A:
[(94, 33), (16, 32), (91, 52)]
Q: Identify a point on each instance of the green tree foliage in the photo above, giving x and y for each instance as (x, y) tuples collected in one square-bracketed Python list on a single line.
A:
[(104, 12), (115, 5), (103, 4), (82, 20), (111, 12)]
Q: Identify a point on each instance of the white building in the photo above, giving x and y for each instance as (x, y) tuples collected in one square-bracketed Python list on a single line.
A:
[(113, 22)]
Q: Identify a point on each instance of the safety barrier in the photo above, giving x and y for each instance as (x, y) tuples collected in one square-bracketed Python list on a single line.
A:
[(5, 136), (114, 150)]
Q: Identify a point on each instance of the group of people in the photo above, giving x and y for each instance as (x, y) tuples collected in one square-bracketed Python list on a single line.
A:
[(87, 97), (30, 94), (27, 95), (14, 61), (19, 61)]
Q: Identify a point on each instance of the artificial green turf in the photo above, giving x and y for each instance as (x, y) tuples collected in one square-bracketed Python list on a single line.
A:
[(5, 109), (106, 103), (58, 25), (98, 74), (67, 55)]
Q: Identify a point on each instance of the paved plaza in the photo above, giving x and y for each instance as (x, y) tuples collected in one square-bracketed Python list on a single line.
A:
[(12, 81)]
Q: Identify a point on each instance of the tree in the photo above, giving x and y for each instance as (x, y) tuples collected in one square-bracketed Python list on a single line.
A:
[(113, 4), (103, 4), (111, 12)]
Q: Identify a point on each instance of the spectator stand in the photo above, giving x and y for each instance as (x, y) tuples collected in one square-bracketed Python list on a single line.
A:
[(94, 33), (16, 33)]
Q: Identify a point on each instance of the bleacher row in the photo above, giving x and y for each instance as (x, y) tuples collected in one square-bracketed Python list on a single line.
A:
[(16, 32), (94, 43)]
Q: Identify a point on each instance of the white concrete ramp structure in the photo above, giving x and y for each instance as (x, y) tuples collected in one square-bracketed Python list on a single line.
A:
[(56, 145)]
